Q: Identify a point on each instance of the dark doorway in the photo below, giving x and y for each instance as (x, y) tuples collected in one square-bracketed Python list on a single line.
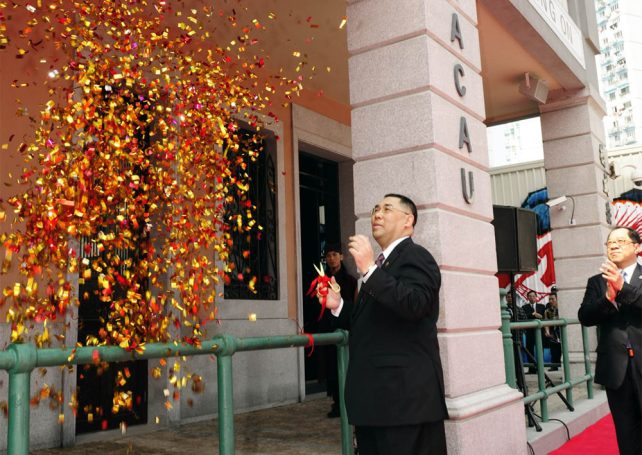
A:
[(320, 223), (98, 385), (111, 394)]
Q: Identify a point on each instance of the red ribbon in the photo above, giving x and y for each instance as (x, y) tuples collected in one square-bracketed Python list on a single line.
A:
[(310, 342), (320, 286)]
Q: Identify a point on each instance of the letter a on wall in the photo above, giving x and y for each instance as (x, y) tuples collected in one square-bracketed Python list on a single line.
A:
[(455, 31), (464, 136)]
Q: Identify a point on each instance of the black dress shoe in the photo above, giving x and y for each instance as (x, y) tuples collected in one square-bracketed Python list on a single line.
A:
[(334, 412), (553, 369)]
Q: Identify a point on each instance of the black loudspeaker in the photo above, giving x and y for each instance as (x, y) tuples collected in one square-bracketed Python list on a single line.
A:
[(515, 239)]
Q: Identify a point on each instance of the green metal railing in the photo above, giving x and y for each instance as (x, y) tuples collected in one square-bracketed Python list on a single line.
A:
[(543, 391), (21, 359)]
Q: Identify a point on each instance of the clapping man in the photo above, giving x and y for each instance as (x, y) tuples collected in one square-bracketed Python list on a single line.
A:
[(613, 302)]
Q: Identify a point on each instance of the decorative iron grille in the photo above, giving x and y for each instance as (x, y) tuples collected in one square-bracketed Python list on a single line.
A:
[(262, 261)]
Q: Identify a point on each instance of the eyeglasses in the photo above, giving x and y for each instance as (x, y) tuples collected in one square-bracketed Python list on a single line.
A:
[(386, 209), (619, 242)]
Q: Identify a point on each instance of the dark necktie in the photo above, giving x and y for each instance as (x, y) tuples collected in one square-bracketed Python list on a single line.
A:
[(380, 260), (628, 342)]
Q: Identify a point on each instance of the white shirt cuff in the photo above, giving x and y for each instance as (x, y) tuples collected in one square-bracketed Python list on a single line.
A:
[(368, 273), (336, 312)]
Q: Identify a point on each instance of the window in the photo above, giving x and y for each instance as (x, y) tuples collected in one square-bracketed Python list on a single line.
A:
[(262, 245), (612, 96), (624, 90)]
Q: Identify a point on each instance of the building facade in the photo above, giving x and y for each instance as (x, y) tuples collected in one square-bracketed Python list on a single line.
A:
[(413, 86)]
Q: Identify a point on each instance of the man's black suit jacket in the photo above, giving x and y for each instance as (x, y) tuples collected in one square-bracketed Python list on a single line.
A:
[(530, 308), (617, 326), (394, 374)]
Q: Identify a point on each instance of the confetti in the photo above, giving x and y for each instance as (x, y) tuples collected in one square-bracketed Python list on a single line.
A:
[(140, 173), (135, 177)]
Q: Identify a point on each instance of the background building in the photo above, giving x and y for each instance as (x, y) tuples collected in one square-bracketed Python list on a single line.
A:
[(620, 67)]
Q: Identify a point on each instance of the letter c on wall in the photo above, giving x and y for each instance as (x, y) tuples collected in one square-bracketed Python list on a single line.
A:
[(458, 71)]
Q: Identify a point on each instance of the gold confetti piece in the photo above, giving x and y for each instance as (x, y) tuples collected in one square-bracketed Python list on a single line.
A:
[(343, 22)]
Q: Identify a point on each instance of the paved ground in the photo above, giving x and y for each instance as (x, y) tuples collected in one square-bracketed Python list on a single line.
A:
[(295, 429)]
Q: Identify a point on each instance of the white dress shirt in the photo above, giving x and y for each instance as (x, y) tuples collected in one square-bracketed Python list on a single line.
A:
[(366, 275)]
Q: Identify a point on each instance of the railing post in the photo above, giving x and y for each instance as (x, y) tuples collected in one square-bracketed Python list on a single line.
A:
[(19, 392), (225, 396), (565, 363), (587, 362), (541, 382), (342, 365), (507, 337)]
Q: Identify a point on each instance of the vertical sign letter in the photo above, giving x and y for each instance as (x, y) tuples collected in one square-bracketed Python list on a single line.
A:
[(458, 71), (455, 31), (464, 136)]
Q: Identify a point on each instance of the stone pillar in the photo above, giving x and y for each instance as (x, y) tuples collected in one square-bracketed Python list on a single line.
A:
[(417, 129), (572, 132)]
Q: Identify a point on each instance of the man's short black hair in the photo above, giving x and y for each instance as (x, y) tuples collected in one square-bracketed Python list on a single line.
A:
[(634, 235), (407, 203), (333, 246), (531, 291)]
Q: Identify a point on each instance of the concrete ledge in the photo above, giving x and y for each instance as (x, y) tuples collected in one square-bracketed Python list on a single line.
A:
[(469, 405), (553, 434)]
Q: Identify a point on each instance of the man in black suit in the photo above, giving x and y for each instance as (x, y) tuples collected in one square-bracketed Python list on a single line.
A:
[(348, 286), (532, 310), (613, 302), (394, 387)]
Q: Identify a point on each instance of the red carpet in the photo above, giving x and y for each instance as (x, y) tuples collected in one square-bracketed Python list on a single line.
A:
[(598, 439)]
